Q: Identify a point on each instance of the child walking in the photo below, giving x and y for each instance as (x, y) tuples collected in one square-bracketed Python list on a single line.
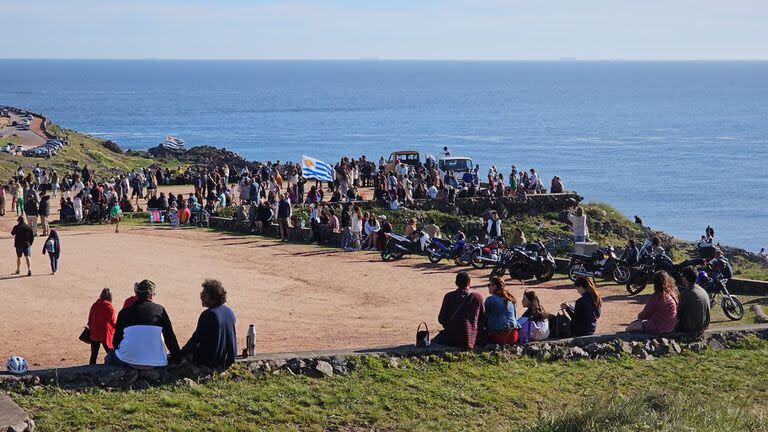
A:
[(52, 247), (115, 215)]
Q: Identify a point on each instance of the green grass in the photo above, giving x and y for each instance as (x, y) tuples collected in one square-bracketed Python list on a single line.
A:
[(82, 148), (712, 391)]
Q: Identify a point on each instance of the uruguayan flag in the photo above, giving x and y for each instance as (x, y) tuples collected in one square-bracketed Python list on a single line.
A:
[(316, 169)]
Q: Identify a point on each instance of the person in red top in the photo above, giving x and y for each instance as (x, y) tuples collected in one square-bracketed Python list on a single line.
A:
[(184, 214), (101, 322)]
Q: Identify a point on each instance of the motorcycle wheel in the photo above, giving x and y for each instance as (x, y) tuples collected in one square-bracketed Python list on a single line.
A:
[(499, 271), (386, 255), (573, 269), (636, 283), (733, 308), (547, 274), (434, 257), (621, 274), (477, 262)]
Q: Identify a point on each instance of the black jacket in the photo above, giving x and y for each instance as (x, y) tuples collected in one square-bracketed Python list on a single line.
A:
[(146, 314), (583, 316), (22, 235)]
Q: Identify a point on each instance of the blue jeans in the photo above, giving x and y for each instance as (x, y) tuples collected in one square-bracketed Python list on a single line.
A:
[(54, 262)]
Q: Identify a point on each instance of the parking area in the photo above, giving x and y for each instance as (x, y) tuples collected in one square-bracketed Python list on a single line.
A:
[(21, 134)]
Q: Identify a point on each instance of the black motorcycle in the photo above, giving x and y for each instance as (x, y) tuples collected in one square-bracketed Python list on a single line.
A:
[(643, 273), (398, 246), (732, 307), (602, 263), (527, 262)]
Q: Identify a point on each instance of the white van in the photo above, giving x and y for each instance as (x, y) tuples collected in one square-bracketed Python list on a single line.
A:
[(458, 164)]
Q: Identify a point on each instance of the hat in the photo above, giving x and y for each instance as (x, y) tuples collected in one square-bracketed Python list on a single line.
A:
[(144, 287), (383, 217)]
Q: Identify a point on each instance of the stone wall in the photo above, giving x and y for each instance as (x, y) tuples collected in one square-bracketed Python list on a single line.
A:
[(327, 363), (529, 204)]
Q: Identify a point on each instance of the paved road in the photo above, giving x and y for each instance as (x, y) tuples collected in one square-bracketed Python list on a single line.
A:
[(27, 138)]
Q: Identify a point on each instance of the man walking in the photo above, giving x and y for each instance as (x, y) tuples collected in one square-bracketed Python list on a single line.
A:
[(22, 241)]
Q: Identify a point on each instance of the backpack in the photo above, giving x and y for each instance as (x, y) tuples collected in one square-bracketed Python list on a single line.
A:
[(535, 330), (560, 325), (50, 246)]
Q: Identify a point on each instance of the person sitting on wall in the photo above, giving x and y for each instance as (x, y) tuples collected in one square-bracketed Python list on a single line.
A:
[(142, 332), (214, 342), (460, 315)]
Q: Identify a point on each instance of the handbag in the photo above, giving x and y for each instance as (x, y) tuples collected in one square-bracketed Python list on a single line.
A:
[(561, 325), (85, 336), (422, 336)]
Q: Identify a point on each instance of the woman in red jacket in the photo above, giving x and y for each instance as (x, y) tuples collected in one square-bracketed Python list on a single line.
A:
[(101, 322)]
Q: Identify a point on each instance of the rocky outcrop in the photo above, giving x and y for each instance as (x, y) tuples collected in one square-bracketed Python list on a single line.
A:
[(205, 156), (112, 146)]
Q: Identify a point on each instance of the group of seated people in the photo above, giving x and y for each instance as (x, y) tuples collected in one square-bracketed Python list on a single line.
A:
[(469, 321), (139, 334)]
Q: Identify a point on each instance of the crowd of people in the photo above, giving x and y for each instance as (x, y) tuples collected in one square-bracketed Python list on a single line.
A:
[(469, 321)]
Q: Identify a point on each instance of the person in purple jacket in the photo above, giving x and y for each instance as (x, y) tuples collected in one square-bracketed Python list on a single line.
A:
[(659, 315)]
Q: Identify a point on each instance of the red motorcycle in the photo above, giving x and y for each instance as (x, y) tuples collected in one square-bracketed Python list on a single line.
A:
[(489, 253)]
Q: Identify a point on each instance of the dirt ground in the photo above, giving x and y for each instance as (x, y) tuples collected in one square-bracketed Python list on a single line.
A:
[(299, 297)]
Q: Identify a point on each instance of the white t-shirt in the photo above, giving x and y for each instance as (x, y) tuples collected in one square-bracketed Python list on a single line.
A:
[(579, 225)]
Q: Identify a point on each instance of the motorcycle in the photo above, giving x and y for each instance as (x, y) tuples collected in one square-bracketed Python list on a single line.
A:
[(527, 262), (602, 263), (398, 246), (732, 307), (643, 273), (489, 253), (459, 250)]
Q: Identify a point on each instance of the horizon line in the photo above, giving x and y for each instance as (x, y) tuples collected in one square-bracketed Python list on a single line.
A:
[(392, 59)]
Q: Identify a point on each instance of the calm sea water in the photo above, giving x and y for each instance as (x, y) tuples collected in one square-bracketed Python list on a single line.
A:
[(682, 145)]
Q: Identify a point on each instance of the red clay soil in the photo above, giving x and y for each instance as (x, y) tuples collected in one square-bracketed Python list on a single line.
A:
[(300, 297)]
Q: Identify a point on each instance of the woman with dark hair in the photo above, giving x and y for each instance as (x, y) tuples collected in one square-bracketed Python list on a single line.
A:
[(534, 324), (500, 317), (659, 315), (101, 323), (52, 247), (586, 311), (214, 342)]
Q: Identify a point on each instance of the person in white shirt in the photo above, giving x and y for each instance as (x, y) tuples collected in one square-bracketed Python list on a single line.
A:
[(77, 188), (372, 228), (578, 221), (432, 191)]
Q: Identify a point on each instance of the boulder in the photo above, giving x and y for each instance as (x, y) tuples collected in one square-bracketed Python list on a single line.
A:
[(322, 369)]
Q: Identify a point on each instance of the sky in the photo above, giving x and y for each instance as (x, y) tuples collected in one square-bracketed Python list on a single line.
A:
[(386, 29)]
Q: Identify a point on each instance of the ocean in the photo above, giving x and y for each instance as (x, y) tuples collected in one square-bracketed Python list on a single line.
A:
[(681, 144)]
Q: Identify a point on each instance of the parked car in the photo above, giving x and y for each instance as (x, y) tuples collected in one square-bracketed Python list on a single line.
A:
[(408, 157), (7, 148), (458, 164)]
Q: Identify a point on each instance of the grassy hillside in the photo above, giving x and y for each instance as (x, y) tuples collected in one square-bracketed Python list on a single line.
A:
[(712, 391), (82, 149)]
